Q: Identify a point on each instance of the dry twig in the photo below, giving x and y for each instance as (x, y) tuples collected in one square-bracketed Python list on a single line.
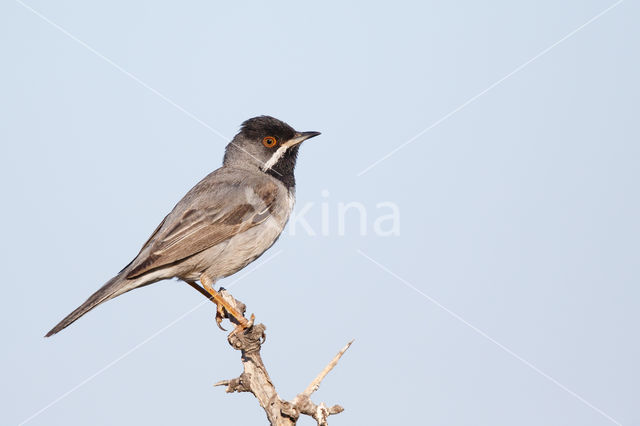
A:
[(255, 378)]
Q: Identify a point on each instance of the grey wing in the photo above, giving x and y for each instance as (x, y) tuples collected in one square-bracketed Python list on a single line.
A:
[(204, 223)]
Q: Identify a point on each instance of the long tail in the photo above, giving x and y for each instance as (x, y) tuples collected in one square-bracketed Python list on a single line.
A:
[(114, 287)]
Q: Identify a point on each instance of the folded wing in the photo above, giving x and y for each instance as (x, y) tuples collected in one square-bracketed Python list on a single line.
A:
[(184, 233)]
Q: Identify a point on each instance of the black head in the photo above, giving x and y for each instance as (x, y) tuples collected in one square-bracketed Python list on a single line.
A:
[(269, 144), (262, 126)]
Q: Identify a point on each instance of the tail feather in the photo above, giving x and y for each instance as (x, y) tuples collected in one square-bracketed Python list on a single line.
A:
[(114, 287)]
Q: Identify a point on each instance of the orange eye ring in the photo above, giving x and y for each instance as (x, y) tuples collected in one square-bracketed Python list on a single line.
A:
[(269, 141)]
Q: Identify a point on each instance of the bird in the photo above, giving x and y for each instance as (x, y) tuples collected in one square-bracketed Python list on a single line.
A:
[(225, 222)]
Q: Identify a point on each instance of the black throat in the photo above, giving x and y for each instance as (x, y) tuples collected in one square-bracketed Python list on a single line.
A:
[(283, 169)]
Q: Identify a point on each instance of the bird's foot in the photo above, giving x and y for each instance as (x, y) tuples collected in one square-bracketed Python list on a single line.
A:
[(226, 307), (221, 314), (243, 324)]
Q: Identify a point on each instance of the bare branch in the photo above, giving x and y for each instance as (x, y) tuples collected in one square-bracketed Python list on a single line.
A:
[(315, 384), (256, 380)]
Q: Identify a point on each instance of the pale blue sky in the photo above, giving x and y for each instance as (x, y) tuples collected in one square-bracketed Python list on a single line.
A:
[(519, 212)]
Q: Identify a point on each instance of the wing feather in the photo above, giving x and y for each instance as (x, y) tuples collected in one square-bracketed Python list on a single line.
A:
[(186, 232)]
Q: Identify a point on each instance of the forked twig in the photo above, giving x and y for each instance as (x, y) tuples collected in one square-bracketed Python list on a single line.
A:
[(256, 380)]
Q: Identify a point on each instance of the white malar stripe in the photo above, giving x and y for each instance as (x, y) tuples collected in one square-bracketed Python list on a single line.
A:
[(274, 158)]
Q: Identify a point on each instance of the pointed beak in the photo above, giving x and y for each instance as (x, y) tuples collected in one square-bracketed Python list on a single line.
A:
[(301, 137)]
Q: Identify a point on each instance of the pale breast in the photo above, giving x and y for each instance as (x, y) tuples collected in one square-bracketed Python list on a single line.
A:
[(247, 246)]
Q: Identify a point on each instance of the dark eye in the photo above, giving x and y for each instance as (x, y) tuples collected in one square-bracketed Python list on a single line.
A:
[(269, 141)]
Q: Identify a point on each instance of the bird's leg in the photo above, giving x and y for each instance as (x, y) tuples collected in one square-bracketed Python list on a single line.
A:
[(222, 306), (199, 289), (205, 293)]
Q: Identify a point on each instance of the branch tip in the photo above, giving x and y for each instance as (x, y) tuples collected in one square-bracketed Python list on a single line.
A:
[(315, 384)]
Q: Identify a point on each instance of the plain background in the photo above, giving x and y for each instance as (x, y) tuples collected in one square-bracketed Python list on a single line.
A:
[(519, 213)]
